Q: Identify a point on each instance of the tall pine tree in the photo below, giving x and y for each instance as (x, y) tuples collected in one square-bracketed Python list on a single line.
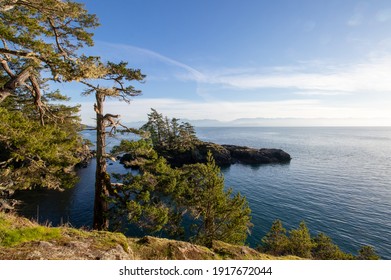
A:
[(107, 123), (217, 213)]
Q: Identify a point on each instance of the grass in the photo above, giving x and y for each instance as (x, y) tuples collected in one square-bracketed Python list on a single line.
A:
[(15, 231)]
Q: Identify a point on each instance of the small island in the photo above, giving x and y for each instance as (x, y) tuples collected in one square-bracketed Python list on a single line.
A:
[(224, 155), (179, 145)]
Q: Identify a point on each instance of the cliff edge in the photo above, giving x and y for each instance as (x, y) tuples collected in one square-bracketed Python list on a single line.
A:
[(22, 239)]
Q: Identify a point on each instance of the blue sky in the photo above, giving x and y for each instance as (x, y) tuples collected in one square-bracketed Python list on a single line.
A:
[(319, 62)]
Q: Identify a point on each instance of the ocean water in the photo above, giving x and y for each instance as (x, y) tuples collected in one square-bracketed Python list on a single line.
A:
[(338, 182)]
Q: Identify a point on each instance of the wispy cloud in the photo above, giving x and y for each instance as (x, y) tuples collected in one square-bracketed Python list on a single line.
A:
[(368, 76), (311, 76), (131, 53), (307, 84), (322, 93)]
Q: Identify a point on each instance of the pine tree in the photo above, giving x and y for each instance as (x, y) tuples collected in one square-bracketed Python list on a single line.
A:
[(217, 214), (147, 198), (325, 249), (121, 76), (32, 156), (41, 38), (169, 136), (367, 253), (275, 241), (300, 243)]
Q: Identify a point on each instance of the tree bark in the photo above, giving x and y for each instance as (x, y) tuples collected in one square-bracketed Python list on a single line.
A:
[(15, 81), (102, 178)]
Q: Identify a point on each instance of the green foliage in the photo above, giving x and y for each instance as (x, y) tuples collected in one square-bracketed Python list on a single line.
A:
[(169, 135), (118, 73), (217, 214), (146, 198), (33, 156), (300, 243), (325, 249), (158, 198), (137, 152), (367, 253), (45, 34), (275, 241), (64, 116)]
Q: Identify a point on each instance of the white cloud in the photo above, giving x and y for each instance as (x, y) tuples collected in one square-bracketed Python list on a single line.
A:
[(367, 76), (311, 80), (371, 75), (322, 93)]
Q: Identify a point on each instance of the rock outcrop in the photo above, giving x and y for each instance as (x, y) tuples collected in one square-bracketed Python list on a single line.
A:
[(224, 155), (248, 155), (84, 155), (22, 239)]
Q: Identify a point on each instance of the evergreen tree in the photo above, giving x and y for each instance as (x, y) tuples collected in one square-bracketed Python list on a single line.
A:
[(159, 198), (275, 241), (32, 156), (41, 36), (147, 198), (367, 253), (121, 76), (169, 136), (217, 214), (300, 243), (39, 43), (325, 249)]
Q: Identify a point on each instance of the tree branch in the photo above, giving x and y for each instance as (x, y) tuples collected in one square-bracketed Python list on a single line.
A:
[(4, 64), (57, 38), (36, 92), (22, 54)]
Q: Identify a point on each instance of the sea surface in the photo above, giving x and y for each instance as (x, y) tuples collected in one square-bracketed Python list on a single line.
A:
[(338, 182)]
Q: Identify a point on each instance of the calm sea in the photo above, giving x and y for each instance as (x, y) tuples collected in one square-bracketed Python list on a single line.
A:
[(338, 182)]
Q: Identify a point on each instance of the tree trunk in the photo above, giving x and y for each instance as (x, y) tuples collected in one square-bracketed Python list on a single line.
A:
[(102, 178), (209, 225)]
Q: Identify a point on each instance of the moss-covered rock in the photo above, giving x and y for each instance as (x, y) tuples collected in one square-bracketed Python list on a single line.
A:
[(21, 239)]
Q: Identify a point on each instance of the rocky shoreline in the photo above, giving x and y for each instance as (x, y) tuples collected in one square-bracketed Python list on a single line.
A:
[(224, 155)]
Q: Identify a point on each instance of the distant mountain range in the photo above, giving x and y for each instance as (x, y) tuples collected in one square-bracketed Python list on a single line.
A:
[(254, 122)]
